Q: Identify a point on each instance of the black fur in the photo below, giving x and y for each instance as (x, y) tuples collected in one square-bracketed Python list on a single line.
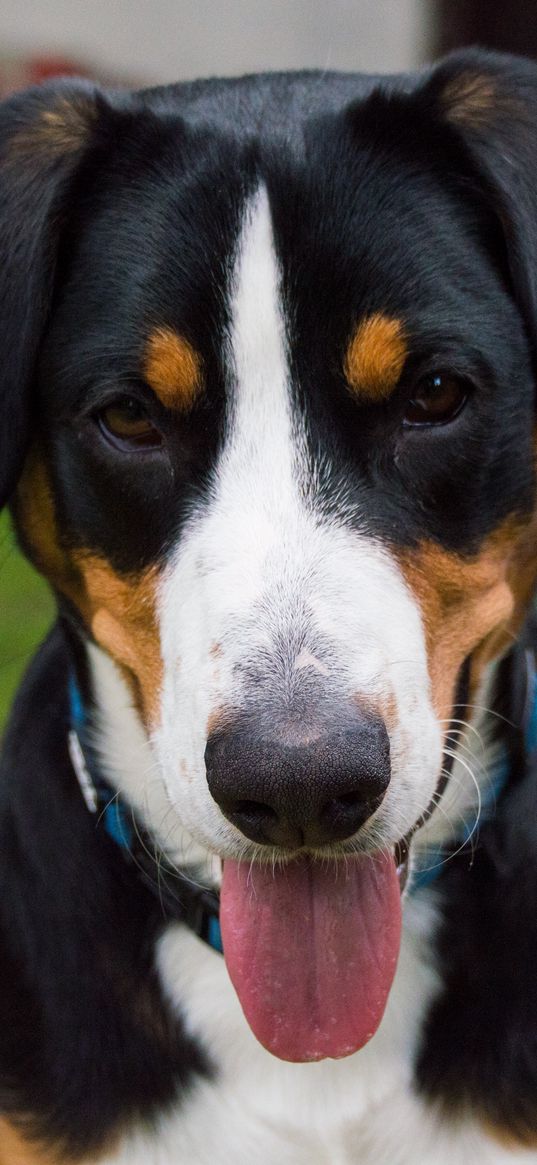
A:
[(385, 197), (87, 1040), (479, 1046), (33, 191)]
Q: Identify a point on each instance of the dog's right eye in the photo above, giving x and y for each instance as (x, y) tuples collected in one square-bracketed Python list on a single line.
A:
[(436, 400), (126, 425)]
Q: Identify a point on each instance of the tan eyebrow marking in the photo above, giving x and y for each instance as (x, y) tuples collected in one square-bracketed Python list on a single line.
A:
[(172, 369), (375, 357)]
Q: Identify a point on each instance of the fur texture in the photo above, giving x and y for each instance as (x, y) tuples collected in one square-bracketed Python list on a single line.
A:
[(267, 403)]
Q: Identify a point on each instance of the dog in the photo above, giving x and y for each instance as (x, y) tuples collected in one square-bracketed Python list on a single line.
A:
[(268, 847)]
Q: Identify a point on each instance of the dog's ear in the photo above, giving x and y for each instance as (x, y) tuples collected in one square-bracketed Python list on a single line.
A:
[(489, 103), (44, 134)]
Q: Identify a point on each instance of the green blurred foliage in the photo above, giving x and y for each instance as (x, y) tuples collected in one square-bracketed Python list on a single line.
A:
[(26, 611)]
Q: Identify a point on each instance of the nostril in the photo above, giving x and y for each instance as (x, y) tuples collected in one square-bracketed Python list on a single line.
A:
[(343, 815), (347, 803), (355, 798), (254, 810), (262, 823), (252, 817)]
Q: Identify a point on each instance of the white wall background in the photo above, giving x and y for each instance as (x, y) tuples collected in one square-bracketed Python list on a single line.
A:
[(165, 40)]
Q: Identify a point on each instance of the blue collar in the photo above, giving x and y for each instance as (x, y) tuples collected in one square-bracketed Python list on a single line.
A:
[(178, 897), (430, 861), (199, 908)]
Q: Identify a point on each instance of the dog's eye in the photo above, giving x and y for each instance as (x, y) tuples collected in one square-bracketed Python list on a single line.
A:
[(127, 425), (436, 399)]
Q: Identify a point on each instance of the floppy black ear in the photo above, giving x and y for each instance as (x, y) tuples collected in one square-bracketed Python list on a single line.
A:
[(489, 100), (43, 135)]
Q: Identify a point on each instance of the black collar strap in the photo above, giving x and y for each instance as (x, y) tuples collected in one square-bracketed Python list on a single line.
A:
[(180, 899)]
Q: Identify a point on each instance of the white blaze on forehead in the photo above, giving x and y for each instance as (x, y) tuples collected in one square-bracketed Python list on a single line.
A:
[(258, 345), (266, 593), (255, 477)]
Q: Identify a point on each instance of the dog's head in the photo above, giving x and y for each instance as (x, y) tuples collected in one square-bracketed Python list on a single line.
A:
[(267, 419)]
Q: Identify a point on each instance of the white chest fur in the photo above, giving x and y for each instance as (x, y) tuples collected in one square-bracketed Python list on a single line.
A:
[(358, 1111)]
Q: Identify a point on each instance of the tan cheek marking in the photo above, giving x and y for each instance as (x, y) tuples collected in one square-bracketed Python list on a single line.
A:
[(15, 1149), (36, 517), (470, 606), (508, 1140), (521, 578), (375, 357), (121, 614), (172, 369)]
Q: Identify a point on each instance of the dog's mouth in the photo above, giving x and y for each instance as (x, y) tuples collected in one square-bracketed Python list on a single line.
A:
[(312, 946)]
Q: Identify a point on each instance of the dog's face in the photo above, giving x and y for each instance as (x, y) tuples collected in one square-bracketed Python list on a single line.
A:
[(279, 447)]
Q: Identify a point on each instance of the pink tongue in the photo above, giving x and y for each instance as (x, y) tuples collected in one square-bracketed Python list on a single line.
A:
[(311, 949)]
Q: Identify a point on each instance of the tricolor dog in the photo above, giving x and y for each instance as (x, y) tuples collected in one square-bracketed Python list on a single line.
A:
[(267, 402)]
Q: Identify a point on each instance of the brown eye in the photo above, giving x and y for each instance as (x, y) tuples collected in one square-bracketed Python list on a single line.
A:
[(127, 425), (436, 400)]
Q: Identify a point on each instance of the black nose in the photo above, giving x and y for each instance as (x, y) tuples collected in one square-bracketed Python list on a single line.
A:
[(290, 785)]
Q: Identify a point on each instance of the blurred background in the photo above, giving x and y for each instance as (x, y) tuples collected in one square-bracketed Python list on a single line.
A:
[(148, 41), (142, 42)]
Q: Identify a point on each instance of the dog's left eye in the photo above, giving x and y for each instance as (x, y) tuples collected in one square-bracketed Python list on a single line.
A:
[(126, 424), (436, 400)]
